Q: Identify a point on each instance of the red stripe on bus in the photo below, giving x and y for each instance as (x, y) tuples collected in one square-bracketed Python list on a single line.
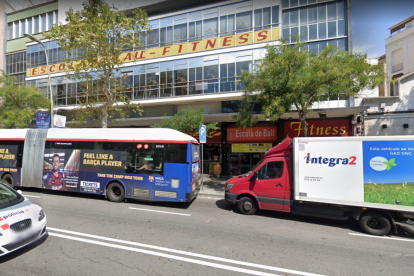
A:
[(123, 141), (12, 139), (4, 226)]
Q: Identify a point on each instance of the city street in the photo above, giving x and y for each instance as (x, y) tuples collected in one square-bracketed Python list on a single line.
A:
[(91, 236)]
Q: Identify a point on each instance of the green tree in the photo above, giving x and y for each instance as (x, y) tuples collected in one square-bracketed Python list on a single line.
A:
[(187, 121), (19, 103), (98, 35), (290, 77)]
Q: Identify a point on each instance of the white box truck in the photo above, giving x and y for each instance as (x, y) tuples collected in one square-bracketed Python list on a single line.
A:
[(370, 179)]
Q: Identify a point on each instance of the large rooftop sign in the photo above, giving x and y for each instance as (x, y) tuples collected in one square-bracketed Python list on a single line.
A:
[(178, 49)]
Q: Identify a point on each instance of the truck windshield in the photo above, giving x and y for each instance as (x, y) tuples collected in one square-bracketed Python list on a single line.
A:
[(8, 197), (247, 174)]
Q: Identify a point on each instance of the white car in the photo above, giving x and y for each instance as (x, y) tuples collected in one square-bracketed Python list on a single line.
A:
[(21, 221)]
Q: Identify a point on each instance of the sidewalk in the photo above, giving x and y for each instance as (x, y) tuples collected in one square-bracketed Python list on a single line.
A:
[(214, 185)]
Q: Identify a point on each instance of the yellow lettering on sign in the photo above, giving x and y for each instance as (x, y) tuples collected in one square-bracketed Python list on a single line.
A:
[(227, 41), (180, 48), (195, 46), (261, 36), (244, 39), (153, 53)]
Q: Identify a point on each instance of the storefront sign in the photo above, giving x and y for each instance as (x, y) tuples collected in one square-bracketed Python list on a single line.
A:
[(177, 49), (251, 147), (253, 134), (213, 137), (317, 128)]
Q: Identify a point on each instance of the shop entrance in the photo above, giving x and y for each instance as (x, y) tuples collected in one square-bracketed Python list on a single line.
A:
[(240, 163)]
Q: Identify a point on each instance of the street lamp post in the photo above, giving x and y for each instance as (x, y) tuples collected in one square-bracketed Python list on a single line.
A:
[(48, 73)]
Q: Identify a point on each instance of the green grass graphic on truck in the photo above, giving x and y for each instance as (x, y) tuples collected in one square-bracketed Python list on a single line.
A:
[(390, 193)]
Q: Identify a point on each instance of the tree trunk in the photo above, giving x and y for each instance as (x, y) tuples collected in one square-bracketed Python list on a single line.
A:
[(104, 116), (304, 126), (302, 119)]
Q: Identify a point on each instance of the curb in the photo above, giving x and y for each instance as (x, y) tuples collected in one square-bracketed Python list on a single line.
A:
[(206, 195)]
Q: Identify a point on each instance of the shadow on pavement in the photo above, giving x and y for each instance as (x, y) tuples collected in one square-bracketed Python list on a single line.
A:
[(178, 205), (404, 230), (24, 250)]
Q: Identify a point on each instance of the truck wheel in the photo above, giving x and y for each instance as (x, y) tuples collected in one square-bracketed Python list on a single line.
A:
[(115, 192), (8, 179), (375, 224), (247, 206)]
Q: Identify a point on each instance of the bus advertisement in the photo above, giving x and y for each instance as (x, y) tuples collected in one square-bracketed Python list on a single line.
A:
[(104, 162)]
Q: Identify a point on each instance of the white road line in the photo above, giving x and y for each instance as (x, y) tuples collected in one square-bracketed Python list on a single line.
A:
[(266, 267), (371, 236), (31, 196), (226, 267), (180, 214)]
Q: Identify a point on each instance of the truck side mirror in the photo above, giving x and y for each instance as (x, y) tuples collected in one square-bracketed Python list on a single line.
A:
[(254, 177)]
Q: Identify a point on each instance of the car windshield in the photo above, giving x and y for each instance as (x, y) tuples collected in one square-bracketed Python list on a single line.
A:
[(8, 196), (247, 174)]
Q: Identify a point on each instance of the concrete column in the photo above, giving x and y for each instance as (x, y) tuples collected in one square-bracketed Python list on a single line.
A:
[(3, 32)]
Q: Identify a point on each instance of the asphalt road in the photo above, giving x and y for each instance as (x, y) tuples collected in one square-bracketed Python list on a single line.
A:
[(90, 236)]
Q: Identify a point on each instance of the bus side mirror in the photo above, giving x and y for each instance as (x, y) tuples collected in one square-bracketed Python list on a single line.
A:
[(254, 177)]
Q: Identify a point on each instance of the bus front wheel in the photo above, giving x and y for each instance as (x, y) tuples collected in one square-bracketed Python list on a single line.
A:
[(115, 192), (8, 179)]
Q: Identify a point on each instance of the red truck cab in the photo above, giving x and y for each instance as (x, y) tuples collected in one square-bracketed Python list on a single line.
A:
[(267, 186)]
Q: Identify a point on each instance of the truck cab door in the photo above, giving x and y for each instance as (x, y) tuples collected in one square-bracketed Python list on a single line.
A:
[(272, 186)]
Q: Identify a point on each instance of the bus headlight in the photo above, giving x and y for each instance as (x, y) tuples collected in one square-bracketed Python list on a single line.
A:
[(229, 186), (41, 215)]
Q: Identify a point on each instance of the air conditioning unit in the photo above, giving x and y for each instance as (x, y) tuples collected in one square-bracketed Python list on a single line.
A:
[(409, 24)]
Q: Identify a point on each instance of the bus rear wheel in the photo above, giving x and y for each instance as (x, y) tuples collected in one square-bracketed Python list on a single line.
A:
[(115, 192), (8, 179)]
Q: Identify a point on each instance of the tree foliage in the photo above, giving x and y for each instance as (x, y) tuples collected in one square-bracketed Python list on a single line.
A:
[(187, 121), (100, 33), (19, 103), (290, 77)]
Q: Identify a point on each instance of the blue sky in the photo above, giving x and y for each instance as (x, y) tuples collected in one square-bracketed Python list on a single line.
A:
[(371, 20)]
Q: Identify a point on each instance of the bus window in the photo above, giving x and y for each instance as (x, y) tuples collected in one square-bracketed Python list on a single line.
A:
[(139, 158), (148, 159), (176, 153)]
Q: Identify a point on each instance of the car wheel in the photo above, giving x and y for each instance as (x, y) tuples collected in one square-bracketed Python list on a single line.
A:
[(115, 192), (247, 206), (375, 224), (8, 179)]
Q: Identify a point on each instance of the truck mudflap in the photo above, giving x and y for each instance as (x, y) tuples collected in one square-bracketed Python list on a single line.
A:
[(230, 197)]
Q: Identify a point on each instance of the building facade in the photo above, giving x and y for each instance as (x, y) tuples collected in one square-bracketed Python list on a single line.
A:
[(192, 58), (390, 109)]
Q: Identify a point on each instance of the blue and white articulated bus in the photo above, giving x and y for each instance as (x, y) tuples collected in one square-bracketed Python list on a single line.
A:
[(139, 163)]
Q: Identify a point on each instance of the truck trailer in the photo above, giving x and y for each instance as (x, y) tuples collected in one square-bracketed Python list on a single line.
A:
[(370, 179)]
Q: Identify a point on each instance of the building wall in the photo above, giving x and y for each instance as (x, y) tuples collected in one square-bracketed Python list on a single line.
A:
[(3, 18), (397, 112), (400, 52)]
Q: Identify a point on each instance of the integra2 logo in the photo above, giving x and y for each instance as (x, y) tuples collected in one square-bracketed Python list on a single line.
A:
[(331, 162)]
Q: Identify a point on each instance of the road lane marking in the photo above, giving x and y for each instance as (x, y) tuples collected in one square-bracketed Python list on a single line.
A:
[(169, 256), (31, 196), (266, 267), (371, 236), (149, 210)]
